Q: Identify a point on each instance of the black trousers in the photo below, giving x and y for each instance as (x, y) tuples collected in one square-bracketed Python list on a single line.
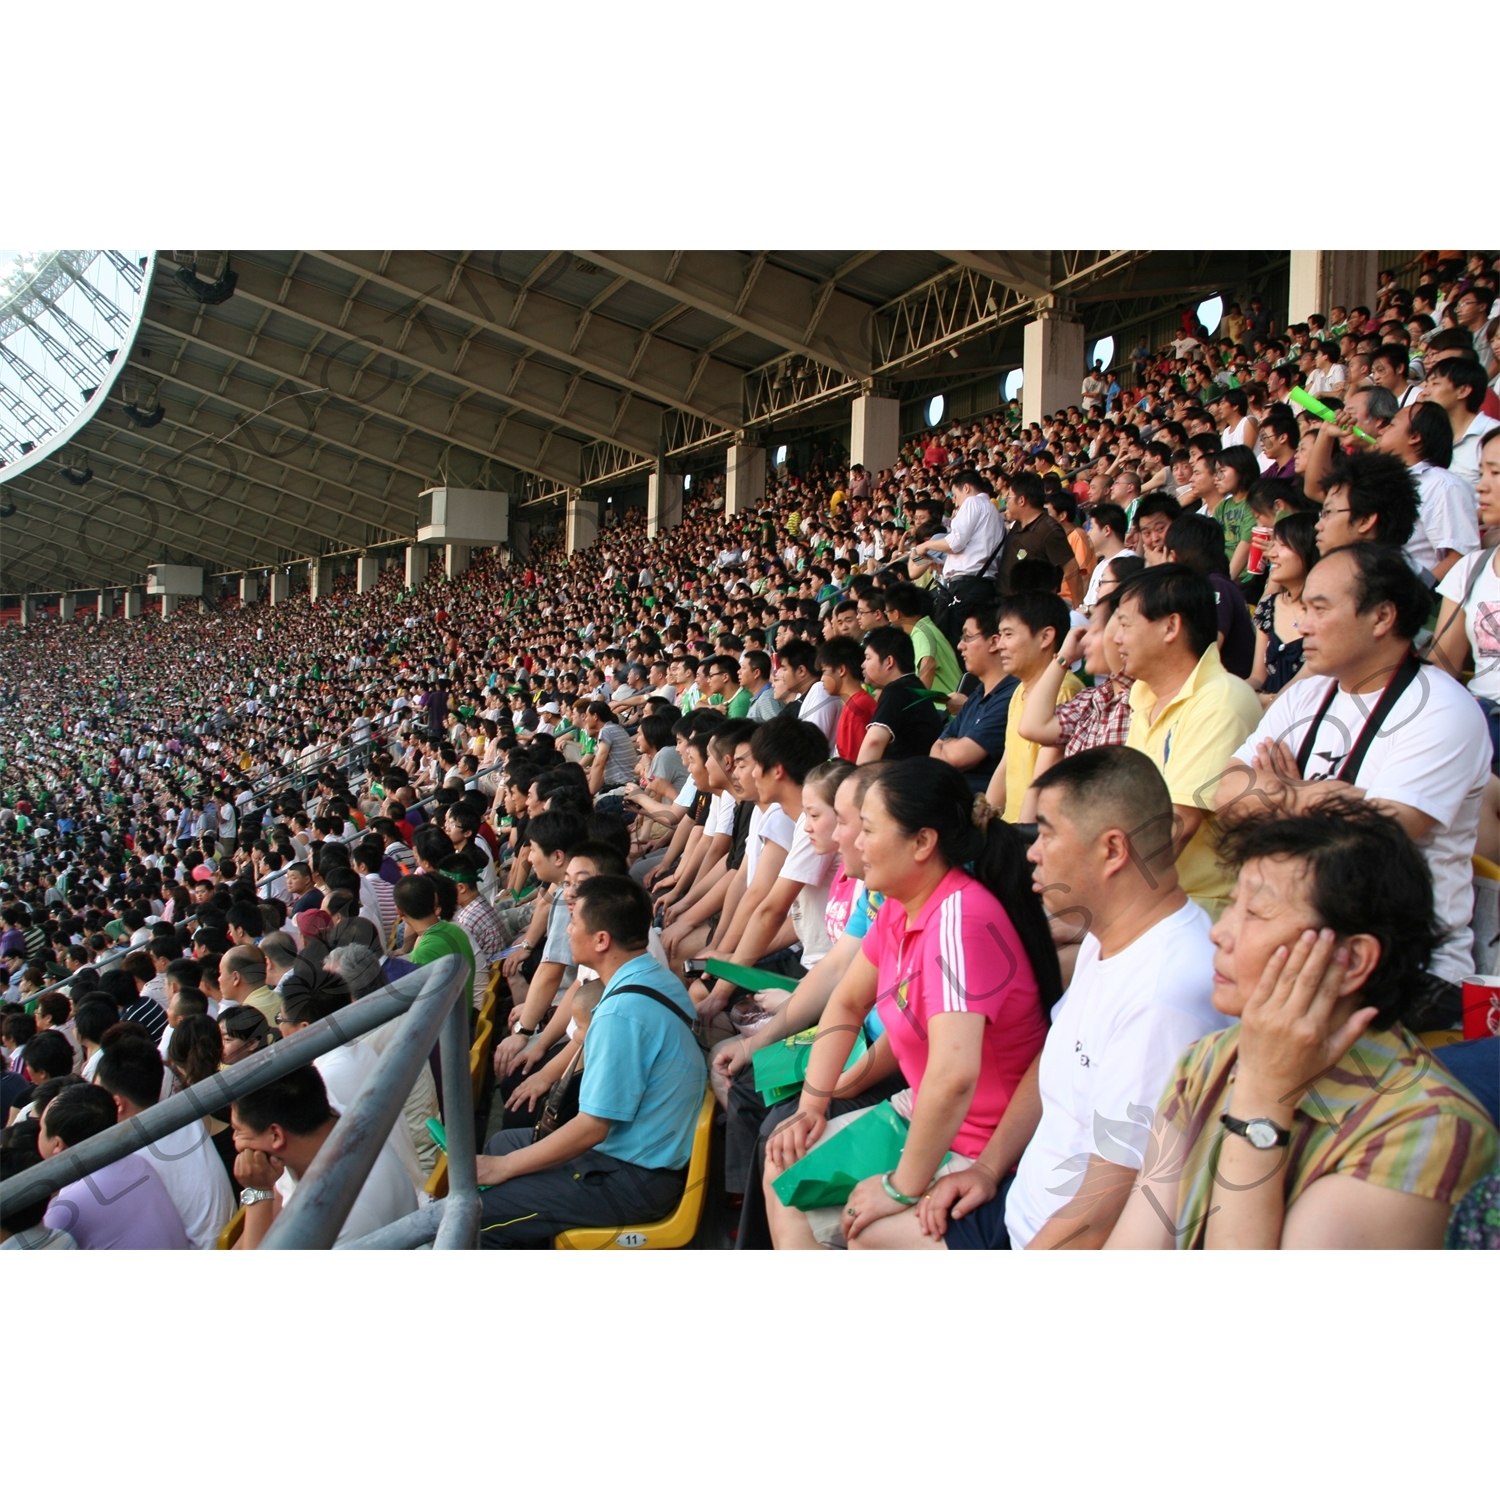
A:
[(591, 1191)]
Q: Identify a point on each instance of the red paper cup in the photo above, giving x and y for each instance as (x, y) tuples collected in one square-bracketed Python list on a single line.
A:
[(1481, 1005)]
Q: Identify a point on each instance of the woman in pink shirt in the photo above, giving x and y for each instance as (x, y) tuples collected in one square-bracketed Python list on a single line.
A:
[(962, 972)]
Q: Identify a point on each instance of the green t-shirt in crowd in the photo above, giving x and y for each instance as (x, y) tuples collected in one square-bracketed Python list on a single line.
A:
[(441, 938), (928, 640), (739, 705), (1238, 521)]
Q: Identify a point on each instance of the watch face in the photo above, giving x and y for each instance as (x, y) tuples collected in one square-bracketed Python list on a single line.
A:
[(1261, 1133)]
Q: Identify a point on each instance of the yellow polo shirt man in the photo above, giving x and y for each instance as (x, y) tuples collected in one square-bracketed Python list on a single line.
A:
[(1020, 753), (1191, 741)]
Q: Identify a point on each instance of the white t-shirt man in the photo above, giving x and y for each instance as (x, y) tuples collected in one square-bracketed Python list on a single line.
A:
[(1432, 754), (1449, 516), (767, 824), (1091, 597), (1465, 460), (195, 1179), (386, 1196), (822, 708), (815, 871), (344, 1071), (1115, 1037), (1472, 585)]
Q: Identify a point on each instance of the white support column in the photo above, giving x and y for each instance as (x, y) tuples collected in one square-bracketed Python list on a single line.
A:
[(520, 541), (663, 501), (319, 578), (744, 478), (28, 611), (583, 522), (281, 587), (1320, 279), (455, 559), (249, 589), (168, 605), (416, 567), (132, 604), (203, 604), (106, 610), (1053, 364), (875, 432), (366, 574), (66, 607)]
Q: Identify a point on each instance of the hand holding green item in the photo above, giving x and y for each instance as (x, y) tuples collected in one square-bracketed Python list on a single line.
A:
[(1324, 413)]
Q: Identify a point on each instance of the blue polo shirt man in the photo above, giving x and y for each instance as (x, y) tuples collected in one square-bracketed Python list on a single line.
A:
[(974, 739), (623, 1158)]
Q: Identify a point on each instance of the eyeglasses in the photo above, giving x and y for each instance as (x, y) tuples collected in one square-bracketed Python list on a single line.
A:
[(1329, 511), (968, 638)]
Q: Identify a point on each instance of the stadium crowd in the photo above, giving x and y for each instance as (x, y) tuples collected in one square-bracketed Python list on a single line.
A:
[(1097, 802)]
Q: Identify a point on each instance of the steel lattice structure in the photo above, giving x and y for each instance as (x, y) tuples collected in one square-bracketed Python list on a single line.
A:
[(265, 407)]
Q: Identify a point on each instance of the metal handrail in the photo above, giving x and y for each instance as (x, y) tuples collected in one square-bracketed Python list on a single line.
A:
[(427, 999)]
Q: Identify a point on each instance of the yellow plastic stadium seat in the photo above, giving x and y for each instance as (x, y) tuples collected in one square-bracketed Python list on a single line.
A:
[(678, 1228), (479, 1057), (229, 1235), (1486, 869), (437, 1184), (1431, 1039)]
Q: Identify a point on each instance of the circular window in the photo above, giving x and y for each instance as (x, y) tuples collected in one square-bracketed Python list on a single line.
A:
[(1104, 352), (935, 409), (1210, 312), (781, 456), (1013, 383)]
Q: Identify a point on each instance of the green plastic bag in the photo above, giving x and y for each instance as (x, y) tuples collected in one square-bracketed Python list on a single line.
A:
[(749, 979), (780, 1070), (825, 1177)]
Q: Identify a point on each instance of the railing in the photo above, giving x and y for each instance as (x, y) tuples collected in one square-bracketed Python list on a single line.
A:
[(433, 1002)]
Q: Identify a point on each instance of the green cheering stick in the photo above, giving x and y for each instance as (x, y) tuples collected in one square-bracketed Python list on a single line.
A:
[(1326, 413)]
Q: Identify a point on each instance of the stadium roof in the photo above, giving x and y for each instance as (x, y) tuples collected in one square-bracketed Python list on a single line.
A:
[(267, 406)]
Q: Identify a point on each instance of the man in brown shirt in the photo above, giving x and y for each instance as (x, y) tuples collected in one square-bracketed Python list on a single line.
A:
[(1033, 533)]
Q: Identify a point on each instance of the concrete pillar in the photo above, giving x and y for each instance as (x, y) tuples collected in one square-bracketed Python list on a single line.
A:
[(249, 589), (168, 605), (416, 567), (366, 574), (1053, 361), (583, 521), (132, 604), (319, 579), (1320, 279), (28, 613), (455, 559), (203, 605), (520, 541), (744, 478), (106, 604), (875, 432), (663, 501), (281, 588), (66, 606)]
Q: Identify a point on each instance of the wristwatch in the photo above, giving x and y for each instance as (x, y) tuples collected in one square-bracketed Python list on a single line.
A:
[(256, 1195), (1264, 1135)]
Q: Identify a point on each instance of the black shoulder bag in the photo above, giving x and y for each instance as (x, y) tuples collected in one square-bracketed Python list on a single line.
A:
[(562, 1098)]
